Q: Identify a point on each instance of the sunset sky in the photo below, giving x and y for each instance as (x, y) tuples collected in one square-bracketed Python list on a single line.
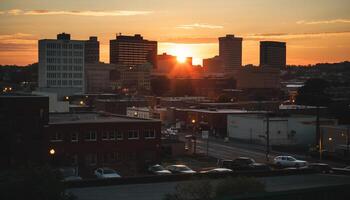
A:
[(315, 30)]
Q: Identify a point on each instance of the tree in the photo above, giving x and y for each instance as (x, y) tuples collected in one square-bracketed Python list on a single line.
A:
[(313, 93)]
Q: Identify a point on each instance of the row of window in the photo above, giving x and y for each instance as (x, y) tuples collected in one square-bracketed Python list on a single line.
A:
[(64, 53), (64, 82), (64, 75), (64, 46), (64, 60), (105, 136)]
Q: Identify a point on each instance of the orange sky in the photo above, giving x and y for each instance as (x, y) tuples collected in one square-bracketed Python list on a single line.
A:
[(315, 30)]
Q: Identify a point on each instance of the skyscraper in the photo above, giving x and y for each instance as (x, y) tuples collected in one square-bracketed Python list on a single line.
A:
[(273, 54), (132, 51), (230, 51), (61, 65), (92, 50)]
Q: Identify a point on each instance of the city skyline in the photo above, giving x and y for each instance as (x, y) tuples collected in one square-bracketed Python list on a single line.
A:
[(314, 33)]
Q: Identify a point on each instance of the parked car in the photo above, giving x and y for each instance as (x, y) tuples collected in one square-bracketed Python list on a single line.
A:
[(217, 171), (180, 169), (158, 170), (243, 163), (69, 174), (321, 167), (106, 173), (288, 161)]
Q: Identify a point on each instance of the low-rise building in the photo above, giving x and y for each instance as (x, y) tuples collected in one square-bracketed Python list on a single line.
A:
[(92, 140), (336, 139), (284, 130)]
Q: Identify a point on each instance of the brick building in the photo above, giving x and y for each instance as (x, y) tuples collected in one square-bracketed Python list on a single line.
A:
[(92, 140)]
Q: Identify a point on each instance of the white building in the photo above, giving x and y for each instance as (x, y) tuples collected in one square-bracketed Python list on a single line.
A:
[(284, 130), (61, 65), (55, 105)]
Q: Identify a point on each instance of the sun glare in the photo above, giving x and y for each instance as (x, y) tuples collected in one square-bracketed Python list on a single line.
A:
[(181, 59)]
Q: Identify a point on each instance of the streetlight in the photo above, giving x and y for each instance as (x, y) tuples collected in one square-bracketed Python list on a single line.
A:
[(52, 152), (194, 137)]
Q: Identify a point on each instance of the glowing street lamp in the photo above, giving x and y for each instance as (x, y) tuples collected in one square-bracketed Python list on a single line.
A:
[(193, 121), (52, 152)]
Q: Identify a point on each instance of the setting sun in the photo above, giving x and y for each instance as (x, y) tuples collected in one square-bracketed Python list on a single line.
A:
[(181, 52)]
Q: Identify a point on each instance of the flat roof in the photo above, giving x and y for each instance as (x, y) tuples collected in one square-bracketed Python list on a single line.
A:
[(92, 117), (222, 111)]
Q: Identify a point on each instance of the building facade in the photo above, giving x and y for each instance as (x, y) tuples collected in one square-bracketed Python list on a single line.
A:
[(133, 50), (273, 54), (230, 52), (22, 120), (91, 140), (92, 50), (61, 65), (98, 77)]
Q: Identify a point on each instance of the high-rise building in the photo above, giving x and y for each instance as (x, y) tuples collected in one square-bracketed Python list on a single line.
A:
[(61, 65), (132, 51), (273, 54), (230, 52), (92, 50)]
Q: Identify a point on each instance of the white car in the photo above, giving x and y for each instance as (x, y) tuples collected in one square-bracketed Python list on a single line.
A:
[(158, 170), (180, 169), (288, 161), (106, 173), (217, 171)]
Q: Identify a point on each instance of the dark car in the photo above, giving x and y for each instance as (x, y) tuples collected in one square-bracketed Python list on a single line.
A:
[(243, 163), (321, 167)]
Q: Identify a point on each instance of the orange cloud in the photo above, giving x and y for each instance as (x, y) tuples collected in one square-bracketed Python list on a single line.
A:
[(77, 13), (202, 26), (333, 21)]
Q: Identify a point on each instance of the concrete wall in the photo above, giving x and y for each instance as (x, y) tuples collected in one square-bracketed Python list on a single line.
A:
[(293, 130)]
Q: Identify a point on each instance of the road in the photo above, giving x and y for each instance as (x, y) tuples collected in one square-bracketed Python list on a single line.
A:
[(231, 150), (156, 191)]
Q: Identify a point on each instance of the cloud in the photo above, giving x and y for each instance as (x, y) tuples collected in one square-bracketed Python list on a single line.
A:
[(333, 21), (191, 40), (197, 25), (286, 36), (18, 38), (76, 13)]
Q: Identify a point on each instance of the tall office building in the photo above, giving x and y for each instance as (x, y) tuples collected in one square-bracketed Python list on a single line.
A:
[(230, 52), (92, 50), (61, 65), (132, 51), (273, 54)]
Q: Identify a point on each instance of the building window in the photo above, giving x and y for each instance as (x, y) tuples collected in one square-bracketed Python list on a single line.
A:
[(133, 135), (119, 135), (56, 137), (74, 137), (91, 159), (149, 134), (90, 136), (108, 135)]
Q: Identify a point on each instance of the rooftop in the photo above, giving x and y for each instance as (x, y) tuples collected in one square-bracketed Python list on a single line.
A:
[(221, 111), (91, 117)]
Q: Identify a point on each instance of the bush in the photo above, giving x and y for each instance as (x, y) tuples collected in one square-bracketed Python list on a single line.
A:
[(206, 190), (238, 186)]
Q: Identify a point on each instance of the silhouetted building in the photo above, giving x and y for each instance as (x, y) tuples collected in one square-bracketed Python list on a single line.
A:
[(61, 65), (132, 51), (92, 50), (230, 52), (98, 77), (22, 118), (273, 54), (213, 64)]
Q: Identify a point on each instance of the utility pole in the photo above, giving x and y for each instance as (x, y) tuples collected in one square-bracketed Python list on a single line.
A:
[(267, 136)]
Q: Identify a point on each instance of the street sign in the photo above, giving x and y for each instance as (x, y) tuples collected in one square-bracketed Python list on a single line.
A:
[(205, 134)]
